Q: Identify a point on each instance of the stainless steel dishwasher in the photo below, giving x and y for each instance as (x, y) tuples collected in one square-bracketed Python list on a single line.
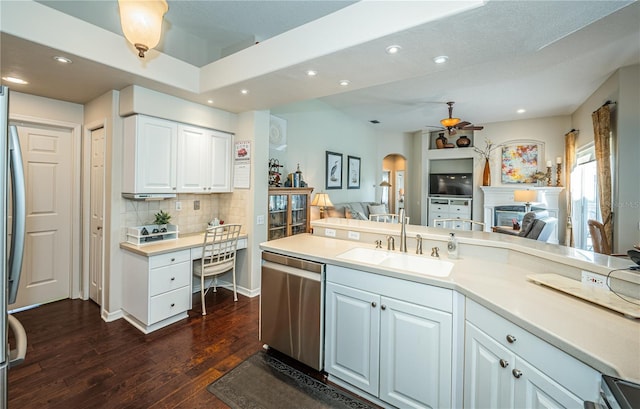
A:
[(291, 307)]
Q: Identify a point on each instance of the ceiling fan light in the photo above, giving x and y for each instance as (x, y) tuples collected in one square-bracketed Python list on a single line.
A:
[(450, 122), (142, 22)]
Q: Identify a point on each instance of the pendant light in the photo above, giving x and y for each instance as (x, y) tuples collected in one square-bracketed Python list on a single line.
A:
[(142, 22)]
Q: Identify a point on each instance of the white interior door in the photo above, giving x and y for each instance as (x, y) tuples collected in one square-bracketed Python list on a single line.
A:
[(96, 240), (46, 269)]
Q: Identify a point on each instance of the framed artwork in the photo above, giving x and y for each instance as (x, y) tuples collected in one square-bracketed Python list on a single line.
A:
[(333, 170), (353, 172), (520, 161), (242, 150)]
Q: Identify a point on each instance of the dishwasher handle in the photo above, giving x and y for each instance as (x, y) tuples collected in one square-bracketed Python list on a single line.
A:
[(293, 262), (292, 271)]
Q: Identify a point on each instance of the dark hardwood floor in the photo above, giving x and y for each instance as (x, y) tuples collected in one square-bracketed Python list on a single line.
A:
[(76, 360)]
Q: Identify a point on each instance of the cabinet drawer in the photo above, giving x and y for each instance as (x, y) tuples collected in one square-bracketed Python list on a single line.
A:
[(571, 373), (167, 278), (167, 259), (444, 208), (169, 304), (462, 211), (439, 215)]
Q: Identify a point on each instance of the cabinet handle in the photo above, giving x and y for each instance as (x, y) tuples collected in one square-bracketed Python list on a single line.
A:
[(383, 307), (511, 339), (373, 304), (174, 304), (517, 373), (173, 259), (504, 363), (173, 279)]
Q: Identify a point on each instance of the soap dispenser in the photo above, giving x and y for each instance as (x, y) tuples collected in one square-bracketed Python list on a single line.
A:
[(452, 246)]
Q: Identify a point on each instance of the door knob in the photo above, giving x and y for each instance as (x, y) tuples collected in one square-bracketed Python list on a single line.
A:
[(511, 339), (373, 304), (517, 373), (504, 363)]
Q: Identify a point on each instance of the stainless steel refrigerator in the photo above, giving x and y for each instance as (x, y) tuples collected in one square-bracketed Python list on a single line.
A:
[(12, 228)]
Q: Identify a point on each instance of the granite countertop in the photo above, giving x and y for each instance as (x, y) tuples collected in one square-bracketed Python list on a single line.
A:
[(605, 340)]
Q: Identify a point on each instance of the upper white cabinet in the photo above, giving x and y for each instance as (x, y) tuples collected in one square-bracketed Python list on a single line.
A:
[(204, 160), (150, 155), (162, 156)]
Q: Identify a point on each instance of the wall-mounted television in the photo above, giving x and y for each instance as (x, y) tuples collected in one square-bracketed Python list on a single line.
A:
[(451, 184)]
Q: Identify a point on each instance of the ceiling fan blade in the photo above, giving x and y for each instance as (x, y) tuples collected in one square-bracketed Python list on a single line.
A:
[(472, 128), (462, 124)]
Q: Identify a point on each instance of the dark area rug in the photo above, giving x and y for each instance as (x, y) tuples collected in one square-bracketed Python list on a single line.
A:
[(264, 382)]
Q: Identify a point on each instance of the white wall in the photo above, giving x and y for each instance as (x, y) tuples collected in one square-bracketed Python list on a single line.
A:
[(313, 128)]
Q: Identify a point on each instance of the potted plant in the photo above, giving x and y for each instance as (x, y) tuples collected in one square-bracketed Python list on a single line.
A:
[(162, 219)]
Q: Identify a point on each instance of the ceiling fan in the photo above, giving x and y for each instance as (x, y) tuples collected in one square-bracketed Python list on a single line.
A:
[(452, 124)]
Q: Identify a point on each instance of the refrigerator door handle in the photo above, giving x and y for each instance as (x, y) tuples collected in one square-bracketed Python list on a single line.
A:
[(16, 356), (19, 213)]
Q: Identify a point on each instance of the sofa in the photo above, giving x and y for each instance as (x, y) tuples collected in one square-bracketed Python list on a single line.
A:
[(536, 225), (351, 210)]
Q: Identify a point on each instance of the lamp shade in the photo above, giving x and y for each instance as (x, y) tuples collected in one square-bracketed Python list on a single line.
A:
[(525, 196), (384, 183), (321, 200), (450, 122), (141, 22)]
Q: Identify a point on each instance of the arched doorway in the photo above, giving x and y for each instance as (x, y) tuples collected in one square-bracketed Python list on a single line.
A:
[(394, 171)]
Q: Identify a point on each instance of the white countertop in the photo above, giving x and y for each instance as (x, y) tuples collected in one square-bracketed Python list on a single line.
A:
[(602, 339), (185, 242)]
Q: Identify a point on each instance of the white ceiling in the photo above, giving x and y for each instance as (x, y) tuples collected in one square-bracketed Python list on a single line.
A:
[(544, 56)]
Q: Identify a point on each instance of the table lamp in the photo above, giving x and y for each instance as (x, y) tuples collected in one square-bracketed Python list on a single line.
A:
[(383, 184), (322, 201), (526, 197)]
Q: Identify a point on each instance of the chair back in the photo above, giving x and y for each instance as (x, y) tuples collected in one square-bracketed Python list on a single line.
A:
[(598, 237), (384, 217), (219, 248)]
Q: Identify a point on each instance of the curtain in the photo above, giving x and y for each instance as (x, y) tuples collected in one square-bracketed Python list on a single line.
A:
[(569, 163), (602, 141)]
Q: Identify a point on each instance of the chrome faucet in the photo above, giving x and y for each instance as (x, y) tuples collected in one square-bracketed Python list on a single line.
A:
[(418, 244), (434, 252), (391, 243), (403, 231)]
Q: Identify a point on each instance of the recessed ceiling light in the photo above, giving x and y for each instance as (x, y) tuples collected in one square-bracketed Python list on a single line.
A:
[(244, 91), (393, 49), (312, 73), (441, 59), (15, 80), (209, 101), (63, 60), (344, 83), (521, 111)]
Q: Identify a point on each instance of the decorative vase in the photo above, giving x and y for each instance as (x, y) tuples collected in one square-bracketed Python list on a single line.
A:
[(463, 141), (441, 141), (486, 175)]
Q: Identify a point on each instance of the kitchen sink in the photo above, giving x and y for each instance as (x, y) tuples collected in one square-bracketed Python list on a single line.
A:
[(398, 261)]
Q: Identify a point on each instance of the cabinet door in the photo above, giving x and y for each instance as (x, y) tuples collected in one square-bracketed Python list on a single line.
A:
[(194, 162), (156, 155), (278, 216), (534, 389), (352, 329), (488, 382), (299, 215), (220, 157), (415, 355)]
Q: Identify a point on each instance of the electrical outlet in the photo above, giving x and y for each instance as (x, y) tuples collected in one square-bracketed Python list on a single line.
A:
[(330, 232), (353, 235), (260, 219), (178, 205), (196, 205), (594, 280)]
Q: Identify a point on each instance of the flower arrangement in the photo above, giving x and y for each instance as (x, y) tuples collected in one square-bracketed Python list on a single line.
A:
[(488, 148), (539, 176)]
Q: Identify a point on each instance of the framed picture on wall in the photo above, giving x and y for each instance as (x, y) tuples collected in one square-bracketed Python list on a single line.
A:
[(520, 160), (353, 172), (333, 170)]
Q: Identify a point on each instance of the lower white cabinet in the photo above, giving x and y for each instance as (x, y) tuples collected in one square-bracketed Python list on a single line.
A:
[(449, 208), (508, 367), (390, 338), (156, 289)]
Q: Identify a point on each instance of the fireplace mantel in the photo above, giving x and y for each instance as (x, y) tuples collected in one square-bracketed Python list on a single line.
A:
[(548, 198)]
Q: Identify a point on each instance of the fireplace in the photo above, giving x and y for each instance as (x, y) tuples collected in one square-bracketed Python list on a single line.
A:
[(500, 208)]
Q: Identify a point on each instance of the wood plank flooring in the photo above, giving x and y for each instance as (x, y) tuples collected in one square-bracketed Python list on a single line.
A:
[(76, 360)]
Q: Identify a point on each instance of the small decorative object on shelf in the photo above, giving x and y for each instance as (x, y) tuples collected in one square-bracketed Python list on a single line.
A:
[(486, 174), (274, 172), (558, 171), (162, 219), (442, 142), (541, 177), (463, 141)]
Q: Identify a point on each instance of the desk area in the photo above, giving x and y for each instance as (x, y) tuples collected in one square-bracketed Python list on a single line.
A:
[(157, 280)]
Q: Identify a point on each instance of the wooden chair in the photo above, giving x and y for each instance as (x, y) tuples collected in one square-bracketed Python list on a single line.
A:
[(458, 224), (218, 257), (599, 239)]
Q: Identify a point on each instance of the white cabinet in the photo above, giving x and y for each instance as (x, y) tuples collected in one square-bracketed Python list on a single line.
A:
[(149, 155), (449, 208), (390, 338), (508, 367), (156, 289), (204, 160)]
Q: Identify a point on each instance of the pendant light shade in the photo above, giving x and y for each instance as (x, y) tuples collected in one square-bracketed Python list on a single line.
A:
[(142, 22), (450, 122)]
